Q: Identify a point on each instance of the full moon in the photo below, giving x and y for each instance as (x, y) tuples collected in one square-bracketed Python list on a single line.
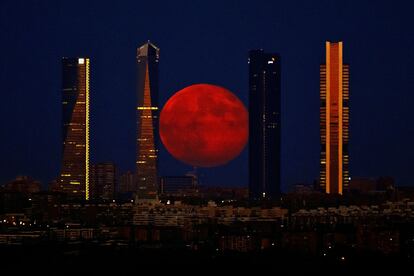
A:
[(204, 125)]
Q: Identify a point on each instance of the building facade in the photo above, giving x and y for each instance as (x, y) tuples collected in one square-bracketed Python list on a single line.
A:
[(74, 174), (103, 181), (127, 183), (185, 184), (264, 125), (334, 121), (23, 184), (147, 121)]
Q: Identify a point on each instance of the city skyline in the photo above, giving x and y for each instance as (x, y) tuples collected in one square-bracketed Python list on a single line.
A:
[(238, 134), (376, 122)]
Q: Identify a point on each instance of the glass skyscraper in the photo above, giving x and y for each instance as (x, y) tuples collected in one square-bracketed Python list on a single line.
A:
[(264, 125), (74, 175), (147, 121), (334, 120)]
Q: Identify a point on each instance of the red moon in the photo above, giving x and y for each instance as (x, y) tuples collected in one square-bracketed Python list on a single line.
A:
[(204, 125)]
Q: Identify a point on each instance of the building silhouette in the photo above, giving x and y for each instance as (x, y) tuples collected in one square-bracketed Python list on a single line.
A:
[(103, 181), (264, 125), (74, 174), (127, 183), (147, 121), (334, 121), (23, 184), (175, 185)]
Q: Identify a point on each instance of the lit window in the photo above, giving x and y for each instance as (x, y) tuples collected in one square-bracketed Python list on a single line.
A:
[(81, 61), (147, 108)]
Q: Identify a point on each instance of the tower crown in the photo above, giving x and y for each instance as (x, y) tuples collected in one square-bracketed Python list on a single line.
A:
[(148, 49)]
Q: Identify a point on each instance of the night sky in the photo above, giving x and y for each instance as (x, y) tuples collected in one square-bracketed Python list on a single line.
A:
[(208, 42)]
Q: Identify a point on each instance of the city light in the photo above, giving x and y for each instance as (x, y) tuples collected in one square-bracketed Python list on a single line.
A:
[(147, 158)]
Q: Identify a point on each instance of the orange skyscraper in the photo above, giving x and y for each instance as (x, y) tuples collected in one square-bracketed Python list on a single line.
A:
[(74, 174), (334, 120), (147, 121)]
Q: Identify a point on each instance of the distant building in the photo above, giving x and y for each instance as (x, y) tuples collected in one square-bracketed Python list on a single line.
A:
[(224, 193), (147, 121), (74, 173), (43, 205), (301, 188), (334, 121), (13, 202), (127, 183), (369, 184), (102, 181), (54, 186), (23, 184), (264, 125), (385, 183), (362, 185), (178, 185)]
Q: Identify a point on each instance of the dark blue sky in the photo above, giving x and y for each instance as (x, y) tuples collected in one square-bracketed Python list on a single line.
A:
[(207, 41)]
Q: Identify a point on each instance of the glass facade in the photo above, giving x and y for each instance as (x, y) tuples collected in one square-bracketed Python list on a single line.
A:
[(74, 175), (334, 120), (264, 125), (147, 121)]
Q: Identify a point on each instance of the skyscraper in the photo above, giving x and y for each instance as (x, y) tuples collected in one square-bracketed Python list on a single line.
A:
[(74, 175), (334, 120), (147, 121), (264, 125)]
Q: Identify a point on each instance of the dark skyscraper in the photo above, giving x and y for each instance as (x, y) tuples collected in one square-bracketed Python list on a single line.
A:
[(74, 175), (264, 125), (147, 121), (334, 120)]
